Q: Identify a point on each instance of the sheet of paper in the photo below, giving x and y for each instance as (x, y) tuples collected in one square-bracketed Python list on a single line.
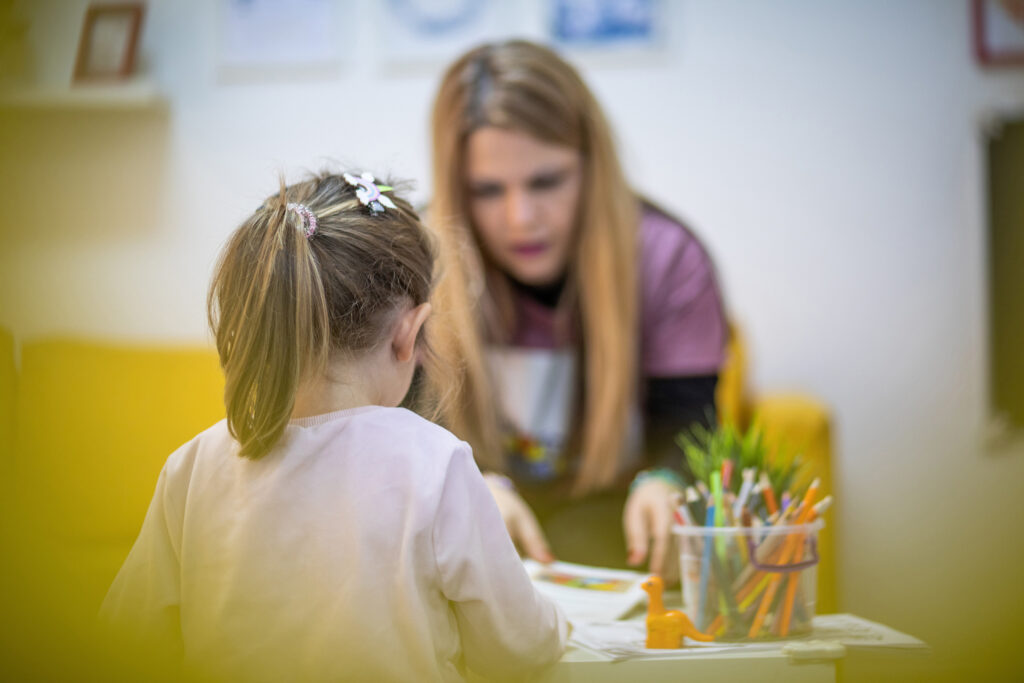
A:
[(853, 631), (588, 593)]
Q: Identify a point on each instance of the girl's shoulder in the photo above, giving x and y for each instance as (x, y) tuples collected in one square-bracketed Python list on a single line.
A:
[(402, 421), (394, 432), (413, 452), (181, 464)]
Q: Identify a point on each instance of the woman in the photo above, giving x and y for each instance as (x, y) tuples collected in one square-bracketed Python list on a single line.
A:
[(589, 322)]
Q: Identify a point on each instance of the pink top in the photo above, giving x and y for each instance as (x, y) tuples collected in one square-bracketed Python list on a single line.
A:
[(364, 546), (682, 333), (683, 329)]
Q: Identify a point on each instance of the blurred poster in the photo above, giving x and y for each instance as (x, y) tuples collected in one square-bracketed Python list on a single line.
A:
[(436, 31), (278, 37), (999, 31), (604, 23)]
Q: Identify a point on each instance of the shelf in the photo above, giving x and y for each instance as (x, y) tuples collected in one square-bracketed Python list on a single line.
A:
[(131, 95)]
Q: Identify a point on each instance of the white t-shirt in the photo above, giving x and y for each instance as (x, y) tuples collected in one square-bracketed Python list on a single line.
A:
[(365, 546)]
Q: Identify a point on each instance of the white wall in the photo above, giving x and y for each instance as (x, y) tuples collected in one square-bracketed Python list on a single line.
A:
[(830, 155)]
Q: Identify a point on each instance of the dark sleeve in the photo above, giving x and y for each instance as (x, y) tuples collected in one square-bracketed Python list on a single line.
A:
[(674, 405)]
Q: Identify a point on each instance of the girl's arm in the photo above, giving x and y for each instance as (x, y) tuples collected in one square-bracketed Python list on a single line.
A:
[(141, 610), (507, 628)]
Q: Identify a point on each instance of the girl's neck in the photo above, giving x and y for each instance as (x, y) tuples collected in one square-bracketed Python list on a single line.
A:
[(344, 385)]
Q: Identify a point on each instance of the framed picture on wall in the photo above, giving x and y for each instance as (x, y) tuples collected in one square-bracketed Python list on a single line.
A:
[(605, 24), (110, 35), (431, 33), (281, 40), (998, 27)]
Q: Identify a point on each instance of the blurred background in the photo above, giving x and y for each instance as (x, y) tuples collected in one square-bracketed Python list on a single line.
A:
[(855, 169)]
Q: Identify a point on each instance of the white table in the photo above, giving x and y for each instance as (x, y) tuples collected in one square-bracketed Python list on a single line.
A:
[(763, 665)]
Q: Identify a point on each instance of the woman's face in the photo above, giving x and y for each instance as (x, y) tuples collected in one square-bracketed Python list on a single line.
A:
[(523, 195)]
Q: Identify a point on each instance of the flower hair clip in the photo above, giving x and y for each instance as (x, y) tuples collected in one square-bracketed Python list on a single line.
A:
[(307, 216), (370, 193)]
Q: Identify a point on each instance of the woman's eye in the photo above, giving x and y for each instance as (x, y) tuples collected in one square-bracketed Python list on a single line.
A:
[(485, 191), (547, 182)]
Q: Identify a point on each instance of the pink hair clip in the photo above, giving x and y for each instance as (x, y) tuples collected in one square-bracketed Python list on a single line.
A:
[(308, 217)]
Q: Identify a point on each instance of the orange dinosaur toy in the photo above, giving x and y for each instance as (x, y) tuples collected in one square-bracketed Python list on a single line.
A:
[(666, 628)]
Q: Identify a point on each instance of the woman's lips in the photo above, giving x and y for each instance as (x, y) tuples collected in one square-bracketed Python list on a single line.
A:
[(529, 249)]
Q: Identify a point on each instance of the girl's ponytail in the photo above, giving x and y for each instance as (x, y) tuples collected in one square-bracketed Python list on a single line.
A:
[(269, 317)]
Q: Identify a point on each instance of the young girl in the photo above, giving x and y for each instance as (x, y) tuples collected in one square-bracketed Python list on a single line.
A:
[(320, 532)]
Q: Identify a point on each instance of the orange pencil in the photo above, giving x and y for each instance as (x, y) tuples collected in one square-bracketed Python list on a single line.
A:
[(792, 543), (806, 509), (787, 609), (756, 583), (822, 505), (787, 602), (772, 549), (768, 493), (762, 611)]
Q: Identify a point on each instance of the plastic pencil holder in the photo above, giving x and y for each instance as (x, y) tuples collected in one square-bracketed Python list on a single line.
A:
[(749, 583)]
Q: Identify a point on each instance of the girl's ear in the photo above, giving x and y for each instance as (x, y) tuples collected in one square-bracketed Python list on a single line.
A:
[(403, 343)]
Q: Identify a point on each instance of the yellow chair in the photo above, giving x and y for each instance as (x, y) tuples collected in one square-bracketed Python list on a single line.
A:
[(793, 423), (7, 394), (95, 424)]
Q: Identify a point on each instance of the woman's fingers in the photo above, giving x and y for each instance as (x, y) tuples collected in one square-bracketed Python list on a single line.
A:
[(647, 521), (520, 521), (634, 522), (530, 537)]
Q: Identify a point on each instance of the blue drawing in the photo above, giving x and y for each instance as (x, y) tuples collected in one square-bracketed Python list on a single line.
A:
[(426, 19), (597, 22)]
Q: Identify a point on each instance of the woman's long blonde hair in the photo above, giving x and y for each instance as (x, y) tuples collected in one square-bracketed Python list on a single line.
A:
[(282, 303), (525, 87)]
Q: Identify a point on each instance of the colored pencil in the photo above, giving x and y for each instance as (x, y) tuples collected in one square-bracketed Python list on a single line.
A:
[(705, 571), (768, 494), (794, 579)]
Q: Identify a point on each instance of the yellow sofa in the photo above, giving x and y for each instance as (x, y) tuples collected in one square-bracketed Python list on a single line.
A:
[(7, 394), (94, 423)]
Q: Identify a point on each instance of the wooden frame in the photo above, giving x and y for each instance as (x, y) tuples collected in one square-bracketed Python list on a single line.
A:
[(107, 48), (998, 28)]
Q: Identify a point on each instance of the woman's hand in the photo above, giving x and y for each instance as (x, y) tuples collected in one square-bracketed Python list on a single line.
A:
[(519, 519), (647, 521)]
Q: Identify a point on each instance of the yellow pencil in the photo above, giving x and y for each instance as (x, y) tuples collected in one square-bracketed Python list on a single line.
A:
[(794, 579), (807, 509)]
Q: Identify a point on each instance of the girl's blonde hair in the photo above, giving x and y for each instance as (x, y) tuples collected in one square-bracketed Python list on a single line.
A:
[(524, 87), (282, 303)]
